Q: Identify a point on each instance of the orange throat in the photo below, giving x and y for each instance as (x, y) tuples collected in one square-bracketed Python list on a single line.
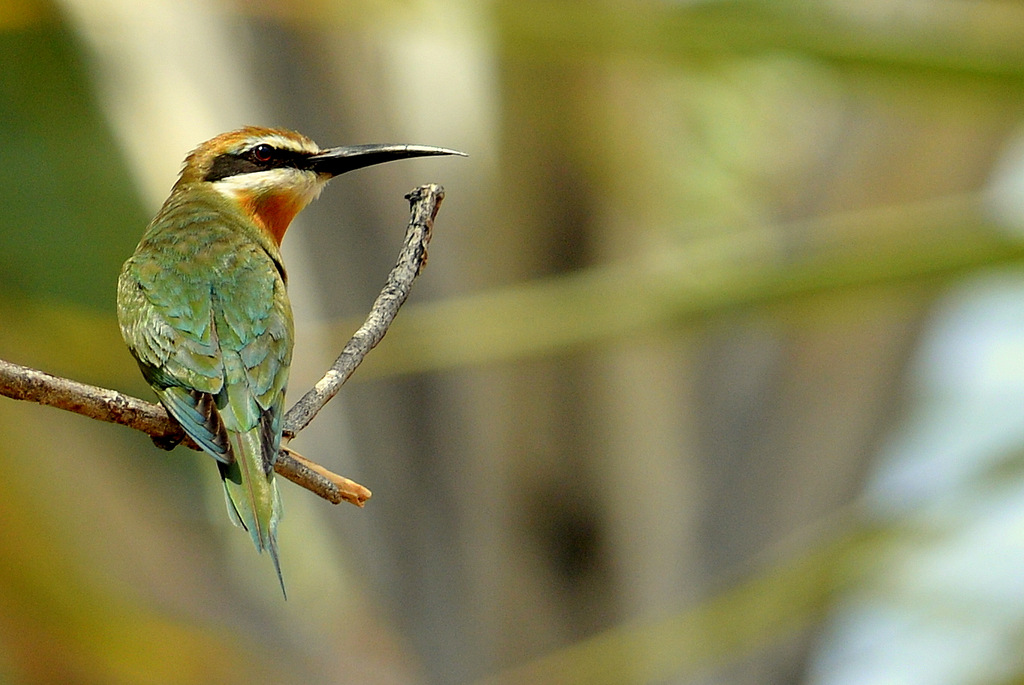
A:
[(274, 212)]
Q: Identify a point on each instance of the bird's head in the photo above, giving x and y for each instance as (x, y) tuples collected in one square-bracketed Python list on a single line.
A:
[(274, 173)]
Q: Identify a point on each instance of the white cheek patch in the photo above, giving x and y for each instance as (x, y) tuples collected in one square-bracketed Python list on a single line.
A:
[(305, 186)]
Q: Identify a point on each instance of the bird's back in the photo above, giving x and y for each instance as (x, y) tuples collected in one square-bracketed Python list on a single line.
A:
[(203, 307)]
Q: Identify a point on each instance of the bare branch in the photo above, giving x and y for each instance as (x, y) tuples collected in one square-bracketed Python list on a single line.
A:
[(319, 480), (24, 383), (423, 205)]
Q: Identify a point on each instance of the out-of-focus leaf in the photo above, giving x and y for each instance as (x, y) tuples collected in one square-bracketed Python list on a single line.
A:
[(70, 215)]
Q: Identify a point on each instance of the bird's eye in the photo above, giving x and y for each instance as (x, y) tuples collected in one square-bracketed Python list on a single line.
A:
[(263, 152)]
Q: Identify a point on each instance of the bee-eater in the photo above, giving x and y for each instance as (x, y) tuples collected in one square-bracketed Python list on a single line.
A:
[(203, 307)]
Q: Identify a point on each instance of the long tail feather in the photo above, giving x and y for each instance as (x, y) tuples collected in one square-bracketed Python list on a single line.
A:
[(252, 497)]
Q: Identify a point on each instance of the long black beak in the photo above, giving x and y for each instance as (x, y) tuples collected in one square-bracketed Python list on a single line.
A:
[(338, 160)]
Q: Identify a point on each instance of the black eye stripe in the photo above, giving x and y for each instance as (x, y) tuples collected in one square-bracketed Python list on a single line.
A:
[(258, 158), (230, 165), (270, 157)]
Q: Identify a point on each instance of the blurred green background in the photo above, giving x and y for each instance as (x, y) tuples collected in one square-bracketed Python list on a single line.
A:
[(715, 375)]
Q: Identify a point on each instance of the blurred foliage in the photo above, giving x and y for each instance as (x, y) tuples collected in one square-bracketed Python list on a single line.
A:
[(60, 164), (925, 243), (973, 39), (72, 611), (779, 601)]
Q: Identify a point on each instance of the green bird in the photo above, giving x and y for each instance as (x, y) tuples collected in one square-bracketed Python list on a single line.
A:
[(203, 305)]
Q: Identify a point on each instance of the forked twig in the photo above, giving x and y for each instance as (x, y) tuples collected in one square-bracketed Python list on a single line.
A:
[(423, 205)]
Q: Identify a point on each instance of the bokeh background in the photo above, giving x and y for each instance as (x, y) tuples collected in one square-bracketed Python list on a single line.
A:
[(716, 373)]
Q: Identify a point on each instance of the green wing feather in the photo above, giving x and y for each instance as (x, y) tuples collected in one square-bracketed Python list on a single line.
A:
[(204, 310)]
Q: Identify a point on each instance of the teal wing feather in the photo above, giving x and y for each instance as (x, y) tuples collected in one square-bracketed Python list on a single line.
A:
[(179, 357)]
